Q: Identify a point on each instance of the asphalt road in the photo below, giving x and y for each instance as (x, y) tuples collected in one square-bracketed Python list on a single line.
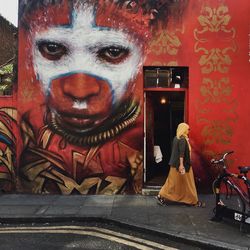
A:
[(82, 236)]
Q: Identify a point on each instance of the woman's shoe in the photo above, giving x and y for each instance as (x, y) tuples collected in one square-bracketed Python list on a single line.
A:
[(160, 201), (200, 204)]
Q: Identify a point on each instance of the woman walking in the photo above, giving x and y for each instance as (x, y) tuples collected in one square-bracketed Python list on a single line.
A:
[(180, 186)]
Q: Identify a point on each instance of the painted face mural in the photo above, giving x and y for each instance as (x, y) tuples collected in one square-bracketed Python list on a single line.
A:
[(74, 123), (87, 74), (80, 105)]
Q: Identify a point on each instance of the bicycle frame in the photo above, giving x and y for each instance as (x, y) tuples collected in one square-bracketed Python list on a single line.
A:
[(244, 171), (221, 209)]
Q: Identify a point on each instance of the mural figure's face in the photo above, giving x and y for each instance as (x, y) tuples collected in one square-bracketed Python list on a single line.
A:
[(87, 70)]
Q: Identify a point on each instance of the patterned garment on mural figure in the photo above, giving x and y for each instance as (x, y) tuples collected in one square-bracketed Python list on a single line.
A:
[(7, 149), (56, 166)]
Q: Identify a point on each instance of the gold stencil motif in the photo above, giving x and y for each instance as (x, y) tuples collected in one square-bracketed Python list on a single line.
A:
[(170, 63), (216, 91), (217, 132), (214, 23), (215, 30), (215, 20), (165, 42), (215, 60)]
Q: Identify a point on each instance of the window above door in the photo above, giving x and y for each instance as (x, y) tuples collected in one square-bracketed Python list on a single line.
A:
[(165, 77)]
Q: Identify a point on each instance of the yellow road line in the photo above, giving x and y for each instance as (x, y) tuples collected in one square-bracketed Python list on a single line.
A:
[(92, 231)]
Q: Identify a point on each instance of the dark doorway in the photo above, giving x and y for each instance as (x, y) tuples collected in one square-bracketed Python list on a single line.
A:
[(164, 111)]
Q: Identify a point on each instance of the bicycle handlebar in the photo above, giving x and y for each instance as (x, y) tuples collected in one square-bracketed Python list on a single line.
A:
[(243, 169), (222, 159)]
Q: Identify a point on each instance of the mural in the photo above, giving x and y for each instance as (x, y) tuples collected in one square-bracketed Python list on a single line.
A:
[(80, 104), (8, 149)]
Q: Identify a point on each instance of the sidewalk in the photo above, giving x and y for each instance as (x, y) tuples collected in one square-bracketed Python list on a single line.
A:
[(174, 221)]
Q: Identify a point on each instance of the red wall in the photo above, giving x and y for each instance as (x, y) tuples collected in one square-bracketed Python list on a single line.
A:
[(212, 39)]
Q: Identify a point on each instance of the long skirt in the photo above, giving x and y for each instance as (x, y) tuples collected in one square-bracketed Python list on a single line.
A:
[(180, 188)]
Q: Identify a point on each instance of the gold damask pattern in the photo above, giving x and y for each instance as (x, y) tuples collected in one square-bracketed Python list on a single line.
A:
[(170, 63), (215, 59), (217, 132), (214, 20), (215, 42), (216, 91), (165, 42)]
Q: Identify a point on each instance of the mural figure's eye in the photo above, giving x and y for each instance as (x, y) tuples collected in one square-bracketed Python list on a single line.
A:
[(51, 50), (131, 6), (113, 54)]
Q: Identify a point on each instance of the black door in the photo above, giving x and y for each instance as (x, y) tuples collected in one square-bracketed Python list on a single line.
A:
[(168, 111)]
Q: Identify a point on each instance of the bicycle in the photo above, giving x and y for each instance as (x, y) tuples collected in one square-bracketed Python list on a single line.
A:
[(236, 204)]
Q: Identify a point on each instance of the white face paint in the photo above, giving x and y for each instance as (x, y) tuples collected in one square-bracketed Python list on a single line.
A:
[(84, 41), (80, 104)]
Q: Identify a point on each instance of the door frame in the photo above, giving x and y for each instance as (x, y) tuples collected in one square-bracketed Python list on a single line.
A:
[(186, 112)]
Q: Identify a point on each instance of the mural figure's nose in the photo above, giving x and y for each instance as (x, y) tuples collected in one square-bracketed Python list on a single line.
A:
[(80, 86)]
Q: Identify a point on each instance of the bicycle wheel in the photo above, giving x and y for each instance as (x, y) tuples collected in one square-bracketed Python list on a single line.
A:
[(230, 198)]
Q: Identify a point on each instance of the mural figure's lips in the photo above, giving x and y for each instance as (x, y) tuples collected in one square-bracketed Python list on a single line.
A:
[(75, 122), (78, 122)]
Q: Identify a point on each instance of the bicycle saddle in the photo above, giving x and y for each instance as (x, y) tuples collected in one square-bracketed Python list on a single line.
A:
[(244, 170)]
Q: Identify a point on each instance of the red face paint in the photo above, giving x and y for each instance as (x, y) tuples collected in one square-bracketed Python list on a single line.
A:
[(80, 101)]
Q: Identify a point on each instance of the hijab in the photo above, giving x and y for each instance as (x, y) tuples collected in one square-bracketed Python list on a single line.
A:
[(182, 130)]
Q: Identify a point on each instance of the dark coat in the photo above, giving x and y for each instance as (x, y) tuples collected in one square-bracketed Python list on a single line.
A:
[(180, 149)]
